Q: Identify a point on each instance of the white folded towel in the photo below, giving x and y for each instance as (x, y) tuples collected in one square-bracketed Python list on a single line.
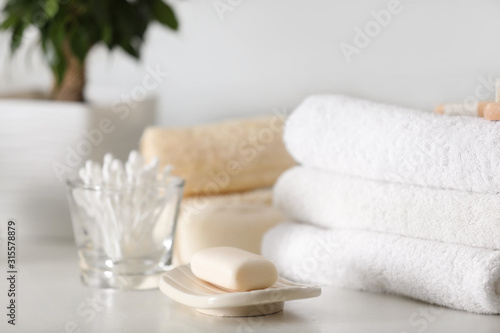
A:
[(455, 276), (386, 142), (331, 200)]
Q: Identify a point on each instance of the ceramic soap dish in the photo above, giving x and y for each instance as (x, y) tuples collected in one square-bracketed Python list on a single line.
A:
[(182, 286)]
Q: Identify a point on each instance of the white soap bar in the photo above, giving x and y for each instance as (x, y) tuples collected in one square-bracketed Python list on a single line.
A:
[(234, 269)]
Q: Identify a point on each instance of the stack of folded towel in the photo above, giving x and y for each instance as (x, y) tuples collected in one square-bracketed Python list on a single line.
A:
[(389, 199), (229, 168)]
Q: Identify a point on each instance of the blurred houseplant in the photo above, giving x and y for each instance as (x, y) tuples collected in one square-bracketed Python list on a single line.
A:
[(69, 29), (43, 141)]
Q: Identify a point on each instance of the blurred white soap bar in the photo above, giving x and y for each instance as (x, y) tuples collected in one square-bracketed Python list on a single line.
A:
[(234, 269), (237, 220)]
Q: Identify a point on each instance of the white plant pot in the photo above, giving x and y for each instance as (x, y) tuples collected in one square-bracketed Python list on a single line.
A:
[(43, 142)]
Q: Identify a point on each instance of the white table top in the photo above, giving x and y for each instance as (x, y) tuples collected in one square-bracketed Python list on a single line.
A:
[(51, 298)]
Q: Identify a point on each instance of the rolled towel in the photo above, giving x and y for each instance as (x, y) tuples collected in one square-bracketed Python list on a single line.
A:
[(237, 220), (331, 200), (386, 142), (231, 156), (456, 276)]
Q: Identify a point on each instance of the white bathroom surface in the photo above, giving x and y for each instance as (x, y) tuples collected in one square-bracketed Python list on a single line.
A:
[(51, 298)]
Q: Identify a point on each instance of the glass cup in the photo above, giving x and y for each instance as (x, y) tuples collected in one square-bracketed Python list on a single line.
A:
[(124, 236)]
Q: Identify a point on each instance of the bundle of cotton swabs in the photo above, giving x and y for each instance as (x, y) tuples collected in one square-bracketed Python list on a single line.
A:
[(114, 174), (123, 202)]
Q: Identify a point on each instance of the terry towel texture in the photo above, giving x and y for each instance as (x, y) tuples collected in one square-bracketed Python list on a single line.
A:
[(451, 275), (231, 156), (386, 142), (408, 199), (331, 200)]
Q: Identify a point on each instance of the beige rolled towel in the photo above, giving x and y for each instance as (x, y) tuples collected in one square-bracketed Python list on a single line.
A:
[(232, 156), (238, 220)]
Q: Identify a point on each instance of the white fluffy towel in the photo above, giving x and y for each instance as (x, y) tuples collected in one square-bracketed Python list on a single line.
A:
[(331, 200), (456, 276), (386, 142)]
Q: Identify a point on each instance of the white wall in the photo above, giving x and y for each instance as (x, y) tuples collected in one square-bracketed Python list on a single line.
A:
[(269, 54)]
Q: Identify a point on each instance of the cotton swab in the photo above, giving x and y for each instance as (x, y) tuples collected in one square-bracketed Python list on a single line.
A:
[(124, 202), (490, 110), (462, 109)]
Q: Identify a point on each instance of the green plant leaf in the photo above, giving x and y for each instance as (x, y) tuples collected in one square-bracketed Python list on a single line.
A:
[(9, 22), (107, 35), (80, 45), (164, 14), (130, 49), (58, 65), (59, 69), (17, 36), (56, 33), (51, 8)]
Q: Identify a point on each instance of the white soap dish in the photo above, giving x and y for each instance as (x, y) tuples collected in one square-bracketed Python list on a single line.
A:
[(182, 286)]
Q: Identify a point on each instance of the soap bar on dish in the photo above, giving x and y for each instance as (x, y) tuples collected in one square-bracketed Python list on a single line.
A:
[(234, 269)]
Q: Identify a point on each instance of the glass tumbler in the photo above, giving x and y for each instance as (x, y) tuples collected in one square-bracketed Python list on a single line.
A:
[(124, 236)]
